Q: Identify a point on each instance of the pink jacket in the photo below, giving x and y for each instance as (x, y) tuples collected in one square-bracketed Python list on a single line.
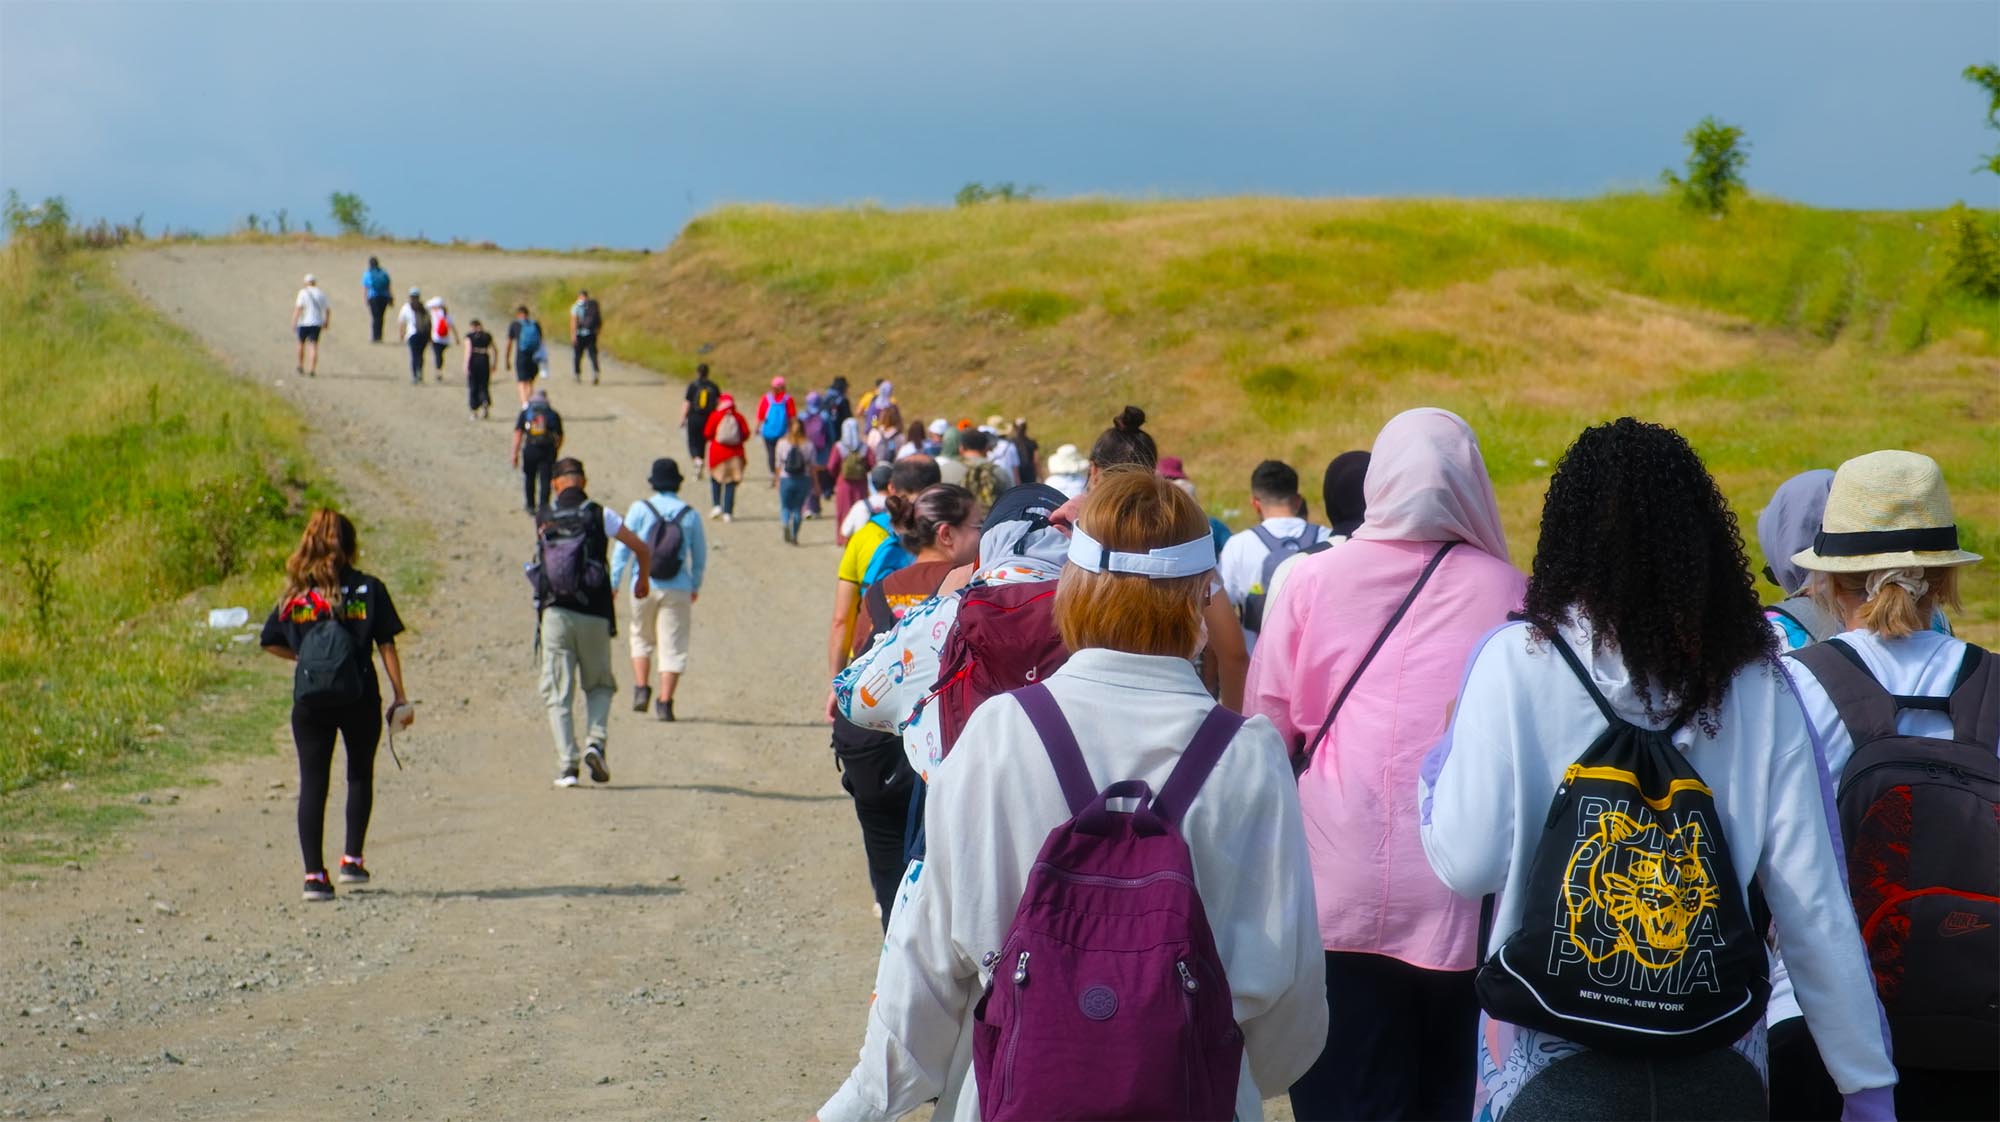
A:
[(1375, 888)]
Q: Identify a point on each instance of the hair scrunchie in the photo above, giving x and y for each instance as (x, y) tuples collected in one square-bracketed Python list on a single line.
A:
[(1909, 578)]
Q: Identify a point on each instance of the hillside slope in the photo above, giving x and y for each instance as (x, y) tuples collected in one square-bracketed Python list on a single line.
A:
[(1780, 338)]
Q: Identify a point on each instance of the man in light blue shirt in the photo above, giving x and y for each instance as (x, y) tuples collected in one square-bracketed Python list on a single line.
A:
[(661, 619)]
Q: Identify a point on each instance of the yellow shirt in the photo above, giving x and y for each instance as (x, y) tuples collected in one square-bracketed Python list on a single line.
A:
[(861, 547)]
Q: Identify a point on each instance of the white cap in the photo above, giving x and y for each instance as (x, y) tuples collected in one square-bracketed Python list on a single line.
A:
[(415, 291), (310, 279)]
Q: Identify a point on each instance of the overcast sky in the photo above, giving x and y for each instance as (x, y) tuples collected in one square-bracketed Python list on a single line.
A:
[(571, 124)]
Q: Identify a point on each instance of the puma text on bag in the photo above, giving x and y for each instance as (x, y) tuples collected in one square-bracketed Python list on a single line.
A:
[(1635, 933), (1107, 997), (330, 670), (1920, 817)]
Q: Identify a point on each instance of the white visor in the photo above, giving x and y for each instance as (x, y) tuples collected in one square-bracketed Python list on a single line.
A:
[(1187, 559)]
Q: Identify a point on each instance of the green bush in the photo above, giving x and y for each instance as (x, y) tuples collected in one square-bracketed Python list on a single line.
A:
[(1714, 167)]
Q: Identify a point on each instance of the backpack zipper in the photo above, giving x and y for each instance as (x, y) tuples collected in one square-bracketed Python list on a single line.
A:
[(1112, 882), (1557, 804), (1014, 1033), (1188, 1058), (1935, 771)]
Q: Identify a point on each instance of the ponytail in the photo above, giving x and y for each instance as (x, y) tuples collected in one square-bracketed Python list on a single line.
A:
[(326, 549), (1894, 611)]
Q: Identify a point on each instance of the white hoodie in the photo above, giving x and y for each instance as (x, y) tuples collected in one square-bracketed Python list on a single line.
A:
[(1522, 717)]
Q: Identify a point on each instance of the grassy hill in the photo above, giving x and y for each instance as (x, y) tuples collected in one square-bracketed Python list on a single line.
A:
[(1778, 339)]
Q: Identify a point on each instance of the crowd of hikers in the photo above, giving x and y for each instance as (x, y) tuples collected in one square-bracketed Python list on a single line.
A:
[(1161, 820)]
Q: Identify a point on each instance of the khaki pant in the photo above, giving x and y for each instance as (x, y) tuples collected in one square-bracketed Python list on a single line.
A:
[(660, 629), (576, 646)]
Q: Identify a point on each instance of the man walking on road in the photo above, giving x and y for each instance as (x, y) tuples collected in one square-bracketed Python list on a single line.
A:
[(375, 286), (578, 616), (661, 622), (524, 350), (585, 320), (702, 395), (311, 314), (538, 438)]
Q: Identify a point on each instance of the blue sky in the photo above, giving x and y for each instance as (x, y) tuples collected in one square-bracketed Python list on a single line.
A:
[(581, 123)]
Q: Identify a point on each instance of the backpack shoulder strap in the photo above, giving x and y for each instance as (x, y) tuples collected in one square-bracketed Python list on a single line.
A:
[(1340, 699), (1269, 539), (1868, 711), (1576, 667), (656, 510), (1060, 743), (1975, 699), (1199, 758), (879, 612)]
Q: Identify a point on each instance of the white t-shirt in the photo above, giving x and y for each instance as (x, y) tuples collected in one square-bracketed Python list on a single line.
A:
[(407, 320), (312, 306)]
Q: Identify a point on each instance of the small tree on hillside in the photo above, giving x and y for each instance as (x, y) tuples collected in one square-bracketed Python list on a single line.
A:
[(349, 212), (1987, 78), (1715, 163), (1975, 255)]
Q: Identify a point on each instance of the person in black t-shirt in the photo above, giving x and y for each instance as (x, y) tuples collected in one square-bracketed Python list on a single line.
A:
[(702, 394), (479, 370), (323, 588), (538, 438)]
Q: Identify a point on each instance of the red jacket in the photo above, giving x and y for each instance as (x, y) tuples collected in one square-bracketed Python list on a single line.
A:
[(767, 402), (717, 451)]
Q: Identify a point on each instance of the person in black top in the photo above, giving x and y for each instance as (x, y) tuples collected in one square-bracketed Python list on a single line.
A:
[(323, 588), (575, 630), (833, 399), (702, 394), (538, 438), (585, 321), (479, 370)]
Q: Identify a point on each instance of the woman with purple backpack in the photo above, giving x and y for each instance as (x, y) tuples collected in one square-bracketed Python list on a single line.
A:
[(1189, 980)]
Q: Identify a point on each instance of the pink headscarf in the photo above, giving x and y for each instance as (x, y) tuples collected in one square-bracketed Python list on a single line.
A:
[(1427, 483)]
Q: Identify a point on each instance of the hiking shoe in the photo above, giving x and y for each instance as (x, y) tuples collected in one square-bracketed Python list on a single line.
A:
[(567, 778), (642, 696), (664, 710), (593, 758), (318, 887), (352, 871)]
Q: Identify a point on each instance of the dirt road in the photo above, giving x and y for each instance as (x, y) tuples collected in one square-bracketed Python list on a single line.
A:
[(692, 941)]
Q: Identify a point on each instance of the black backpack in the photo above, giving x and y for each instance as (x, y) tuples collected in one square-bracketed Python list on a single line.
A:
[(330, 669), (541, 427), (1635, 937), (1920, 817), (568, 570), (796, 461), (1276, 549), (588, 318), (667, 541)]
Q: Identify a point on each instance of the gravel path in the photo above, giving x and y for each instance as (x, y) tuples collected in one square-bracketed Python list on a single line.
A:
[(693, 941)]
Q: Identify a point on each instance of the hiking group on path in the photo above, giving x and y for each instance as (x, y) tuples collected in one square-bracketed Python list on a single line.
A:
[(1349, 808)]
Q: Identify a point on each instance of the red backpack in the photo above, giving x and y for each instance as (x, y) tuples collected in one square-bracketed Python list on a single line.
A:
[(1005, 638)]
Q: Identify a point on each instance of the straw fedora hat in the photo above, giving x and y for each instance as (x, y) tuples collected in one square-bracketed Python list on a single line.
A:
[(1887, 510)]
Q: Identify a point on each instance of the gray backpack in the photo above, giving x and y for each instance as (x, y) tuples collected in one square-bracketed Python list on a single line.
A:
[(1276, 549)]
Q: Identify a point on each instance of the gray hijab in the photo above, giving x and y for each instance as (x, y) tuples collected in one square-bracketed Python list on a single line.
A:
[(1789, 525)]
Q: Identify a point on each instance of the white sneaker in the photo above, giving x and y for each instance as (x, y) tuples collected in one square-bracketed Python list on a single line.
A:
[(567, 778), (715, 512), (729, 518)]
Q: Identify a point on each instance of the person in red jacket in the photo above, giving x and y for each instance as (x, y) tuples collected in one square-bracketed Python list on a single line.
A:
[(726, 432), (775, 412)]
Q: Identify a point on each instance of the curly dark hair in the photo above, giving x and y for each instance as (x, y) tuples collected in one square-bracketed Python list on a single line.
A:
[(1636, 536)]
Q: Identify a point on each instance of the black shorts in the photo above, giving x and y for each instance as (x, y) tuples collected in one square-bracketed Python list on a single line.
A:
[(526, 369), (309, 333)]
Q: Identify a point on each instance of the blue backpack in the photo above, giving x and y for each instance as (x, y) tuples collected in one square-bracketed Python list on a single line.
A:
[(777, 418), (531, 337), (888, 557)]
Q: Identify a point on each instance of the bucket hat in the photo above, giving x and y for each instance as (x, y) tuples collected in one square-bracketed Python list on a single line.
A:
[(665, 476), (1886, 510), (1066, 460)]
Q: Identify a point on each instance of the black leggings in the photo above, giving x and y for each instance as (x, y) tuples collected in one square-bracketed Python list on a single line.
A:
[(1400, 1043), (538, 462), (376, 306), (437, 351), (584, 343), (478, 383), (417, 345), (884, 814), (313, 730)]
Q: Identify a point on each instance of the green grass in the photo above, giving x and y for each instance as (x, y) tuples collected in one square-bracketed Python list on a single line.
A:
[(1778, 338), (158, 486)]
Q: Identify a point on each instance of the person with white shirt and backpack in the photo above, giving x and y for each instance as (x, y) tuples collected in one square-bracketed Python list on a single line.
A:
[(1250, 559), (1626, 772), (1910, 721), (312, 313), (1114, 918), (662, 621)]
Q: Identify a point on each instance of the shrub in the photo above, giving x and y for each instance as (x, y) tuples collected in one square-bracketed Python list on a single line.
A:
[(1974, 266), (1714, 167), (1987, 78), (976, 192), (349, 213)]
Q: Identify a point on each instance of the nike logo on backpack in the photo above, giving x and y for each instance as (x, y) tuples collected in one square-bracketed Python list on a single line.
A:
[(1961, 923)]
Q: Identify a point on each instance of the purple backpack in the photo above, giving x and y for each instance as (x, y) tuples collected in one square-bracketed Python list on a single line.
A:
[(1108, 998)]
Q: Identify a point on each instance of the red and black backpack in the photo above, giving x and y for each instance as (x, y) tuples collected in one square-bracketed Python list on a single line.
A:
[(1921, 820)]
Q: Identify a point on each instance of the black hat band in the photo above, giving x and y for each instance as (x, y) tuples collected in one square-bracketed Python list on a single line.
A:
[(1930, 539)]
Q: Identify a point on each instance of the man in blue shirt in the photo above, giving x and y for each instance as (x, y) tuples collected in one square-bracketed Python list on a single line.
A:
[(661, 619), (375, 284)]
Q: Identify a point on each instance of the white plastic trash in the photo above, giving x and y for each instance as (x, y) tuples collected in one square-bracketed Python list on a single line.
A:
[(226, 619)]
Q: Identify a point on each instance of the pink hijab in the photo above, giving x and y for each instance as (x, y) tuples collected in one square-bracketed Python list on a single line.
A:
[(1427, 483)]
